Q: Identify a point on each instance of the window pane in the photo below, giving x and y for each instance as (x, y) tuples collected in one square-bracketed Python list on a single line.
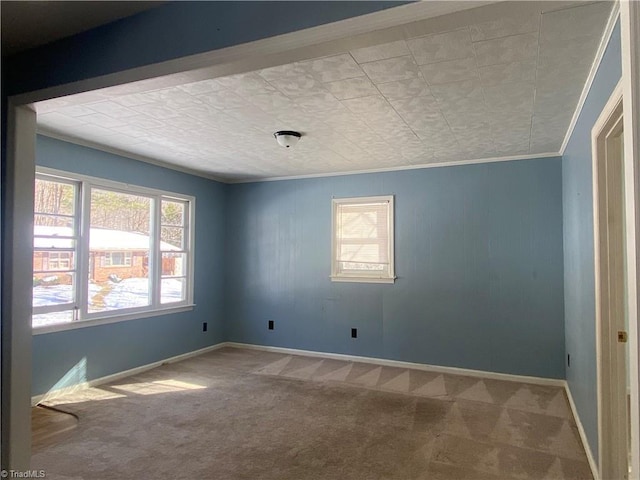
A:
[(172, 238), (52, 260), (53, 243), (47, 224), (54, 197), (174, 264), (173, 290), (362, 267), (119, 245), (363, 238), (172, 213), (53, 318), (53, 288)]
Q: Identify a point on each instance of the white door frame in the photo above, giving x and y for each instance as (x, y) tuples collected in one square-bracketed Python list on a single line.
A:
[(17, 283), (630, 35), (609, 302)]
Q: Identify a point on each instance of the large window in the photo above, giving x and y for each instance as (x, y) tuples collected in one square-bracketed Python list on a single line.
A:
[(363, 240), (104, 250)]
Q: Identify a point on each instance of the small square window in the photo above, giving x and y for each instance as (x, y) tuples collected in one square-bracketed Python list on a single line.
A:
[(362, 247)]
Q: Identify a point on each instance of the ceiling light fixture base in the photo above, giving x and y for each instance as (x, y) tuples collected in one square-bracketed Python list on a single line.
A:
[(287, 138)]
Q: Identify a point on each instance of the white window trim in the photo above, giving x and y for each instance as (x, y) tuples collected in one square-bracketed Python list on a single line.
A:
[(337, 276), (156, 308)]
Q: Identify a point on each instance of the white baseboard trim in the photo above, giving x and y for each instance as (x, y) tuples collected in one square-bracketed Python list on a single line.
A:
[(583, 435), (117, 376), (397, 363)]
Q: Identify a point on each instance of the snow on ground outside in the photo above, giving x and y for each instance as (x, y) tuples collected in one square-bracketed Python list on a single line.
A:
[(129, 293)]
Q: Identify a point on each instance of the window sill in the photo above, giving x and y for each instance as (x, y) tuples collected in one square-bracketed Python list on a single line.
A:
[(362, 279), (112, 319)]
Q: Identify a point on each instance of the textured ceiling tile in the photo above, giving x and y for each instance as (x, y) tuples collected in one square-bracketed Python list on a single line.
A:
[(75, 110), (102, 120), (301, 120), (144, 121), (416, 105), (380, 52), (90, 131), (51, 105), (413, 87), (422, 122), (441, 47), (473, 133), (511, 97), (319, 103), (430, 125), (55, 119), (351, 88), (174, 98), (507, 49), (461, 120), (255, 117), (368, 105), (443, 141), (288, 70), (344, 147), (298, 86), (451, 71), (524, 71), (205, 86), (156, 110), (132, 100), (555, 102), (338, 67), (384, 123), (519, 137), (273, 102), (512, 148), (460, 97), (223, 100), (246, 84), (112, 109), (391, 70), (575, 22), (503, 27), (353, 125)]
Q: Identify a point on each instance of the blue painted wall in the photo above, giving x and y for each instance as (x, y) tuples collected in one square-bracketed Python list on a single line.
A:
[(107, 349), (577, 178), (174, 30), (478, 259)]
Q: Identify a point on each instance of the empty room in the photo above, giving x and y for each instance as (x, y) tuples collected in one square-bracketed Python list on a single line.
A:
[(320, 240)]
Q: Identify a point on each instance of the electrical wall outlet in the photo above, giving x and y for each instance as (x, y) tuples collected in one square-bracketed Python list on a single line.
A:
[(270, 327), (354, 333), (204, 326)]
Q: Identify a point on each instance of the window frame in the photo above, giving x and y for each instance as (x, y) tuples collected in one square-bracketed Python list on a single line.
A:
[(126, 255), (339, 276), (82, 317)]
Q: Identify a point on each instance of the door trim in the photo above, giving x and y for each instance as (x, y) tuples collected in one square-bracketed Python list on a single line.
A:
[(609, 390)]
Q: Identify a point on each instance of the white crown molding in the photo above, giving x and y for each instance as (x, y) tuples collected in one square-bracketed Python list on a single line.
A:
[(197, 173), (131, 156), (403, 167), (602, 47)]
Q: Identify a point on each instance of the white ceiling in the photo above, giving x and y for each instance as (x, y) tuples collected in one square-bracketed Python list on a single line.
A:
[(500, 88)]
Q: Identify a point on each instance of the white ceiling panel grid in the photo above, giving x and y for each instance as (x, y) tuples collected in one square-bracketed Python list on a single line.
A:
[(498, 88)]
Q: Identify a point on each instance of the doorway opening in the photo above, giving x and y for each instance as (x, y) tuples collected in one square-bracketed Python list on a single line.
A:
[(610, 291)]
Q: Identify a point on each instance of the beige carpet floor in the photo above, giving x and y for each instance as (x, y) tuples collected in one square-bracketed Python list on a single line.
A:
[(247, 414)]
